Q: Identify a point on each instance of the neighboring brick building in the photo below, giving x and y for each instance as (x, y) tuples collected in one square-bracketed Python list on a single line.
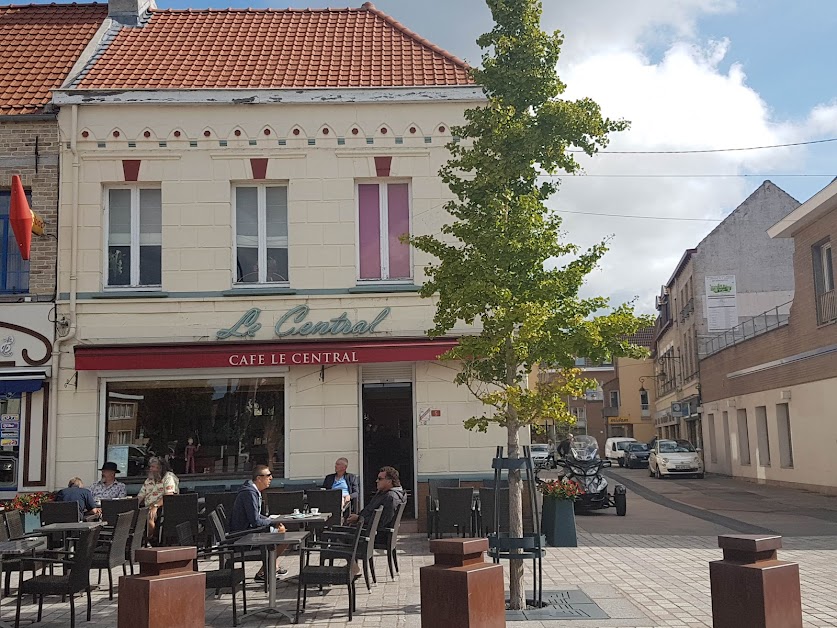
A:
[(734, 273), (769, 399), (29, 147)]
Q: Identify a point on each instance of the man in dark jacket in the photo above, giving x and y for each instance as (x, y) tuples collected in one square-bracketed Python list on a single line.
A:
[(247, 510), (390, 495), (346, 482), (75, 492)]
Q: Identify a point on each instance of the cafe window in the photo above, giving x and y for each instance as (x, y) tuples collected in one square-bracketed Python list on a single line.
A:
[(14, 271), (135, 237), (261, 234), (233, 423)]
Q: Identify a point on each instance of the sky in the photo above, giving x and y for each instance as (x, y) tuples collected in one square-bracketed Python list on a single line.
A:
[(687, 74)]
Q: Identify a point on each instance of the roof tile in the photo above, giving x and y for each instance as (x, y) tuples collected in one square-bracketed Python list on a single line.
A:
[(40, 44), (272, 48)]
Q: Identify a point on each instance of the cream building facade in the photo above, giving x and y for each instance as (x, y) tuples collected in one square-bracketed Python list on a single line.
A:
[(232, 273)]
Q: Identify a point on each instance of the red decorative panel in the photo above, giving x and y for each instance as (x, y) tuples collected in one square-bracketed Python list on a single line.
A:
[(259, 167), (131, 168), (382, 166)]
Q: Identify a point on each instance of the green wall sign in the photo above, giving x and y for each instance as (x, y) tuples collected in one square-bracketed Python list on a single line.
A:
[(293, 323)]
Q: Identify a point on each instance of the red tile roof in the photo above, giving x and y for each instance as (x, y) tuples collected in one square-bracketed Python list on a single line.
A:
[(272, 48), (39, 44)]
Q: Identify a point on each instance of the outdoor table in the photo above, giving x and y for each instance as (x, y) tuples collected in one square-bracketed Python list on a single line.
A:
[(64, 528), (269, 541), (18, 548)]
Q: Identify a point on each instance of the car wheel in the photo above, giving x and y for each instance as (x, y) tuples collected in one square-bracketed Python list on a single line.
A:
[(657, 473), (621, 462), (620, 500), (650, 470)]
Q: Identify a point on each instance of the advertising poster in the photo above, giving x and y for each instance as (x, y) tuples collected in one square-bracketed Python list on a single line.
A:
[(721, 303)]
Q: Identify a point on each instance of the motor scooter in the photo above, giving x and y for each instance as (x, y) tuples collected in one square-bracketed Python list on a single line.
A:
[(583, 465)]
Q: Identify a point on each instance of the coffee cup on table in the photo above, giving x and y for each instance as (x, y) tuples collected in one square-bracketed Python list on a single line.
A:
[(296, 511), (315, 511)]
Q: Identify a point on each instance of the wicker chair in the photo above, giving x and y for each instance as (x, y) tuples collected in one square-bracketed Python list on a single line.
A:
[(432, 502), (320, 575), (387, 539), (365, 548), (139, 529), (284, 502), (178, 509), (113, 551), (455, 512), (76, 577), (227, 576)]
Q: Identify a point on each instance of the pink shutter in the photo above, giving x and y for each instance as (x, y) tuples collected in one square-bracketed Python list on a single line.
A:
[(398, 218), (369, 227)]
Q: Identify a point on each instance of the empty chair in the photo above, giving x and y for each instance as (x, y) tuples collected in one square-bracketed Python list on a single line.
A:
[(284, 502), (327, 501), (432, 503), (217, 579), (59, 512), (113, 507), (112, 552), (76, 577), (14, 523), (213, 500), (319, 575), (178, 509), (486, 511), (387, 539), (138, 532), (455, 512)]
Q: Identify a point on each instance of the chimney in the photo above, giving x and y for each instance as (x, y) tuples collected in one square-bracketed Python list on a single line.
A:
[(129, 12)]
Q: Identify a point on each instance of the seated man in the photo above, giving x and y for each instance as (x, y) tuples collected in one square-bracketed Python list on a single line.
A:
[(75, 492), (247, 511), (346, 482), (390, 495), (108, 487)]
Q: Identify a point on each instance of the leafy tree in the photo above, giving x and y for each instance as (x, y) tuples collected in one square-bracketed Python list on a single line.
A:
[(501, 264)]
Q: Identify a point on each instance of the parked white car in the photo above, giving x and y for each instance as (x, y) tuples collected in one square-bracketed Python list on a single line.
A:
[(615, 449), (674, 457)]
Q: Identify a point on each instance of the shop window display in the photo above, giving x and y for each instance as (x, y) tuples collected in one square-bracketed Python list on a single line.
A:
[(202, 427)]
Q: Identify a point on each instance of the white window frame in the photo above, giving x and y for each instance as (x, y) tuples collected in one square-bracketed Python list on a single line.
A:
[(644, 405), (614, 392), (827, 274), (261, 199), (383, 242), (135, 239)]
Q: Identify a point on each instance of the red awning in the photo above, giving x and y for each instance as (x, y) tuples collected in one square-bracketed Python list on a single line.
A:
[(257, 354)]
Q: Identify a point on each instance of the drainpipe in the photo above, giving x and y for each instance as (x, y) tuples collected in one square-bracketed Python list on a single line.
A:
[(52, 438)]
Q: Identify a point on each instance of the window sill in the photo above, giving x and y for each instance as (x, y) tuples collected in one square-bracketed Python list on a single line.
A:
[(261, 291), (130, 294), (384, 287)]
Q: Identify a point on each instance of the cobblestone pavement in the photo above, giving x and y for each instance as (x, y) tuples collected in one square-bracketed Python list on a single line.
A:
[(640, 581)]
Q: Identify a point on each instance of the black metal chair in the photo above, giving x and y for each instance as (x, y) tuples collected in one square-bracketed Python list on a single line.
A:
[(75, 579), (112, 552), (485, 515), (58, 512), (387, 539), (284, 502), (111, 508), (365, 549), (327, 501), (432, 502), (327, 575), (213, 500), (221, 538), (455, 512), (139, 529), (226, 576), (179, 509), (14, 522)]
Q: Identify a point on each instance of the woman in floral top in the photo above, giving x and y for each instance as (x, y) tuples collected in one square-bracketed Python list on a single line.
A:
[(159, 482)]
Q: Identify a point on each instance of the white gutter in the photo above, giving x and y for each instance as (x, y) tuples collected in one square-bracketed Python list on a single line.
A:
[(52, 438)]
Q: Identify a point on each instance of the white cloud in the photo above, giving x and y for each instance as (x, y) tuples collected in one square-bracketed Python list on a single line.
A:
[(683, 101)]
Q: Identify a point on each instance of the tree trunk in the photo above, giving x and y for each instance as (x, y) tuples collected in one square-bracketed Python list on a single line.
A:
[(517, 595)]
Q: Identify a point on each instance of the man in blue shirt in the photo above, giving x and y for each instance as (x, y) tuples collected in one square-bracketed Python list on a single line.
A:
[(75, 492), (346, 482), (247, 511)]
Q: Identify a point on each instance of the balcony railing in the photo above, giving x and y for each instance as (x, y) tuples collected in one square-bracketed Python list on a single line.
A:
[(827, 307), (756, 326)]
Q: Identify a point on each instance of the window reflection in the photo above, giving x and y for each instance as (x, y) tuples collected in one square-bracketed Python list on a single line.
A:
[(234, 424)]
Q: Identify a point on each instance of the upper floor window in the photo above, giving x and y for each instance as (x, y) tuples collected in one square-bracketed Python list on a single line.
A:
[(614, 398), (824, 282), (383, 218), (643, 400), (14, 271), (135, 237), (261, 234)]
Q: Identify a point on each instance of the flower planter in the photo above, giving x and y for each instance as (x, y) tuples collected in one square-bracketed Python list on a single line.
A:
[(559, 522)]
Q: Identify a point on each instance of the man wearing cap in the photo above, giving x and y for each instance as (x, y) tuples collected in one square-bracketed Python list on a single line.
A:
[(108, 487)]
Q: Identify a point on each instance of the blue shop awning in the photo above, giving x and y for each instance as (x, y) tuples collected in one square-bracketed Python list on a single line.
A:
[(16, 381)]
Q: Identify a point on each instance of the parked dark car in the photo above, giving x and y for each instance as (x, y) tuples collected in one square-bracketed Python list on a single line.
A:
[(636, 455)]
